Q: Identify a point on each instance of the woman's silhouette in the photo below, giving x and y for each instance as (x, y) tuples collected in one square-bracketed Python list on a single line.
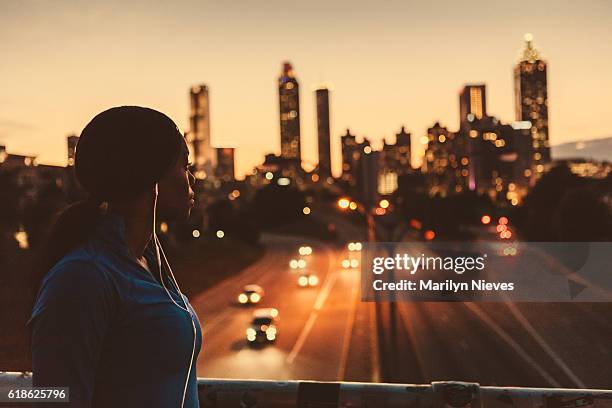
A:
[(109, 321)]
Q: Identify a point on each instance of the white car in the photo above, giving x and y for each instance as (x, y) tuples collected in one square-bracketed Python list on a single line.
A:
[(263, 327), (251, 294), (308, 280)]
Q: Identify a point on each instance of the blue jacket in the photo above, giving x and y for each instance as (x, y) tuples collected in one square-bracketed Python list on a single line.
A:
[(104, 327)]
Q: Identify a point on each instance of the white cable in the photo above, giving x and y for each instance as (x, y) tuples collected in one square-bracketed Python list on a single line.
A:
[(158, 246)]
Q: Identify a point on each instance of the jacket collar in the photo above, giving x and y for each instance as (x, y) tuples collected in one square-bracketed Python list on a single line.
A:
[(111, 230)]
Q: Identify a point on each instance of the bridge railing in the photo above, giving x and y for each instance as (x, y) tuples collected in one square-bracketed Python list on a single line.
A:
[(222, 393)]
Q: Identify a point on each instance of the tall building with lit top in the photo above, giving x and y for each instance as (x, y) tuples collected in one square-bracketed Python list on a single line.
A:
[(289, 105), (472, 103), (198, 138), (323, 133), (531, 98)]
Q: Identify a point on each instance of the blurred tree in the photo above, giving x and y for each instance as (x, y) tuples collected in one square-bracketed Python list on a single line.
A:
[(541, 202), (582, 215), (223, 215), (275, 205)]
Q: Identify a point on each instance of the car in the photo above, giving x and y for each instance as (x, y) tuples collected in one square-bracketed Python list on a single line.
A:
[(354, 246), (308, 279), (251, 294), (263, 327), (305, 250)]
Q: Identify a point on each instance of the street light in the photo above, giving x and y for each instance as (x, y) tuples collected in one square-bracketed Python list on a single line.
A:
[(344, 203)]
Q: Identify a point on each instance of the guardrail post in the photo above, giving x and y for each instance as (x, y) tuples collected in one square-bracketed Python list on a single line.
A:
[(456, 394)]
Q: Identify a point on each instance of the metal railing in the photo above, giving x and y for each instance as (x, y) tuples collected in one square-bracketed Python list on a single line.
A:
[(222, 393)]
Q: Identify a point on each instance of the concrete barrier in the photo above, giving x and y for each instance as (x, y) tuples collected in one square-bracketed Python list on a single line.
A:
[(222, 393)]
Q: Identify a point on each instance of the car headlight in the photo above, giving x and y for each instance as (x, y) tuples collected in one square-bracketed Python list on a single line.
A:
[(303, 281), (255, 297), (271, 330), (346, 263), (250, 332), (313, 280), (242, 298), (270, 336), (354, 263)]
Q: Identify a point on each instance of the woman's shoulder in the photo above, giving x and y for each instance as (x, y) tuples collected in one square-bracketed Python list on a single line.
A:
[(80, 265), (77, 279)]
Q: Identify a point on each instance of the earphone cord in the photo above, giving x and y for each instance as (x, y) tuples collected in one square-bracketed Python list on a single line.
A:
[(158, 247)]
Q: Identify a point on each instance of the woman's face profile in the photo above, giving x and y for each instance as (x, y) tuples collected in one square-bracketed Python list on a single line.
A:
[(175, 196)]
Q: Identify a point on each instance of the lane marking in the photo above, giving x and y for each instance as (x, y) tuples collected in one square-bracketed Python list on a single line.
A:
[(520, 317), (319, 302), (408, 324), (348, 331), (512, 343), (374, 344)]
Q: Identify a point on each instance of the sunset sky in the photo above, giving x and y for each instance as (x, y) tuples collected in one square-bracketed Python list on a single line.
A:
[(390, 63)]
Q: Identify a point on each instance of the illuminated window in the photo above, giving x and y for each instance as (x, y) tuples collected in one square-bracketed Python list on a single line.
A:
[(476, 102)]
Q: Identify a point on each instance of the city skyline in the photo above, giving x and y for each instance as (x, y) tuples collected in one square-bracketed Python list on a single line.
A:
[(362, 98)]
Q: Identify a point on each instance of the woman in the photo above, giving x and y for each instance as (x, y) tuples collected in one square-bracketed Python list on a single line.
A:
[(109, 322)]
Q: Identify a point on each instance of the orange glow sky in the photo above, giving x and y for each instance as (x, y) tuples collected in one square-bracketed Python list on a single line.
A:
[(390, 63)]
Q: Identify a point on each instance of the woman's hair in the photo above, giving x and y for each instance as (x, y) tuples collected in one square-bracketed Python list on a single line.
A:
[(121, 153)]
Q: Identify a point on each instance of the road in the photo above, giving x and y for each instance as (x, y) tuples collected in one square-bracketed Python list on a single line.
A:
[(316, 324), (326, 333)]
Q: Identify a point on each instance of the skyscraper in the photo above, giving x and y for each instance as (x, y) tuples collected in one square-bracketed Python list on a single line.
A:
[(322, 96), (403, 151), (531, 98), (225, 164), (472, 103), (289, 103), (198, 137), (351, 153)]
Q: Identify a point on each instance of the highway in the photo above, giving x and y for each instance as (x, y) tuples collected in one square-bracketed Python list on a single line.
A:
[(326, 333), (316, 325)]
